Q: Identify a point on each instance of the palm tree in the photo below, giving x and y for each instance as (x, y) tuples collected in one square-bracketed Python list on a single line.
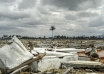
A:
[(52, 28)]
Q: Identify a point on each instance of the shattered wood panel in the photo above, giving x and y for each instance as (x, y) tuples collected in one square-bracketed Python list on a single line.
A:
[(81, 53), (99, 50), (101, 55), (102, 59)]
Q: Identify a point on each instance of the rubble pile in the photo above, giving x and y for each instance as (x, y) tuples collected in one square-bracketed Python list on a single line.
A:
[(51, 58)]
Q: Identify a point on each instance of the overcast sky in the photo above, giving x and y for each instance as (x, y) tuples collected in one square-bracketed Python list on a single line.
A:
[(35, 17)]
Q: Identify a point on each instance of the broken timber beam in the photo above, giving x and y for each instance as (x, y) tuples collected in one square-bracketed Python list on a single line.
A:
[(40, 56)]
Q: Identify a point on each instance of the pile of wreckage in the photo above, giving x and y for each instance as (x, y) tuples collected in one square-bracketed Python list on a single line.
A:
[(16, 59)]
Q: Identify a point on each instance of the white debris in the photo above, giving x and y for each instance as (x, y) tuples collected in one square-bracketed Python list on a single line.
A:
[(39, 50), (85, 62), (58, 54), (69, 50), (48, 63), (88, 50), (14, 54), (70, 58)]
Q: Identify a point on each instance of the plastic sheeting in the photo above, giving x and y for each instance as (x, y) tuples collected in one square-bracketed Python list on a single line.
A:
[(14, 54), (48, 63)]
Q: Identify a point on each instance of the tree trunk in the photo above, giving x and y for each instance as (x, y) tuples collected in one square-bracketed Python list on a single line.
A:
[(52, 34)]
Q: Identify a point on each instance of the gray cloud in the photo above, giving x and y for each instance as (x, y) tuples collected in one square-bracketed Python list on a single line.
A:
[(44, 10), (97, 22), (24, 4), (13, 15), (87, 14), (5, 1), (10, 30), (73, 4), (70, 17), (6, 28), (70, 4)]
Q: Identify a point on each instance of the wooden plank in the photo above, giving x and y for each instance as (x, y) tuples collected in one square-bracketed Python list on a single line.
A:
[(82, 54)]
